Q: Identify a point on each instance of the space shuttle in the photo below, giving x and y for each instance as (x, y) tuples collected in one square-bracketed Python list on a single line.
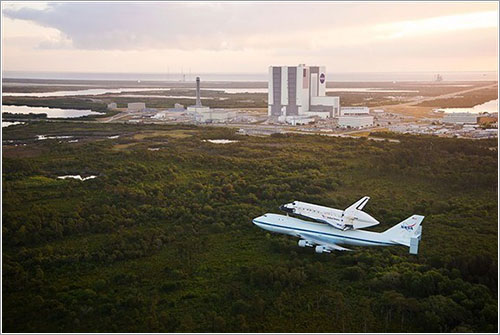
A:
[(351, 218)]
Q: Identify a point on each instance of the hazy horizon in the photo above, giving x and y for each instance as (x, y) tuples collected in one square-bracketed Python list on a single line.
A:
[(245, 37), (448, 76)]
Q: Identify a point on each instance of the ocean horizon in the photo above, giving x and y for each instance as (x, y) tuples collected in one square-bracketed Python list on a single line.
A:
[(259, 77)]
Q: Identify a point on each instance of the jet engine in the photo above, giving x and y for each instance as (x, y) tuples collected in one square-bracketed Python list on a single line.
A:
[(321, 249), (304, 243)]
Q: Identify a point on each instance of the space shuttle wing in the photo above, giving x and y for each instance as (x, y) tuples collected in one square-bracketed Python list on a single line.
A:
[(314, 239), (358, 204)]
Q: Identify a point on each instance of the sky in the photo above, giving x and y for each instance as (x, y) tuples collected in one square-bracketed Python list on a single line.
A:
[(247, 37)]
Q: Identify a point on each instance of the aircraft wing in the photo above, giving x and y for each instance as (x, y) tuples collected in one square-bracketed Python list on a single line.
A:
[(322, 241), (358, 204)]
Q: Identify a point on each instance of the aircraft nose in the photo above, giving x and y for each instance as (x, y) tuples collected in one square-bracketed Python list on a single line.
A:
[(284, 208), (257, 220)]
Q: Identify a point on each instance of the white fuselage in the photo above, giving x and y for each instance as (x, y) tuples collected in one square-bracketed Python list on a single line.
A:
[(295, 227), (351, 218), (324, 214)]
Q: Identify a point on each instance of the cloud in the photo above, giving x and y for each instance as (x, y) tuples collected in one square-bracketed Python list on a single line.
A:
[(216, 26), (248, 36)]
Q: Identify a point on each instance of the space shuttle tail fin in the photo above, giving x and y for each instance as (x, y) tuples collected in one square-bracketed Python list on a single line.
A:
[(358, 204)]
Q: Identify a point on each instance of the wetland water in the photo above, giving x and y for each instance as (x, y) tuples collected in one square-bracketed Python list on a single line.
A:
[(101, 91), (489, 106), (51, 112)]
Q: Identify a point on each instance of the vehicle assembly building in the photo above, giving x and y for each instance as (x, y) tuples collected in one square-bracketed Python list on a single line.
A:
[(299, 91)]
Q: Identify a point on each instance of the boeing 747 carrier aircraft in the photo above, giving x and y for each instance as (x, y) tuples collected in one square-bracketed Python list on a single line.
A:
[(326, 235)]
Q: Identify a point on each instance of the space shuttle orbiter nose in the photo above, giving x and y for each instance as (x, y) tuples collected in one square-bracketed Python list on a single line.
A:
[(289, 208)]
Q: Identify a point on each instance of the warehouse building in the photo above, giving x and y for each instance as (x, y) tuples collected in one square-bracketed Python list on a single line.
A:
[(214, 116), (354, 111), (355, 121), (355, 117), (136, 106), (460, 118), (299, 91)]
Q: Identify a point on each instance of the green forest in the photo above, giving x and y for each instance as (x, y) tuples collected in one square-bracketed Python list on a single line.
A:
[(162, 239)]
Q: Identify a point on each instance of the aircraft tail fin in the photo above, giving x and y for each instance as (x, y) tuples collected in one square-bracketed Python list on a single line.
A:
[(408, 232), (358, 204)]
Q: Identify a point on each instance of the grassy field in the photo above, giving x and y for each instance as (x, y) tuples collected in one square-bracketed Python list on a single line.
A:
[(163, 240)]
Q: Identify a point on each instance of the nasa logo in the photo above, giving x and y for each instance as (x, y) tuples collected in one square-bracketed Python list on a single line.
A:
[(408, 226), (322, 78)]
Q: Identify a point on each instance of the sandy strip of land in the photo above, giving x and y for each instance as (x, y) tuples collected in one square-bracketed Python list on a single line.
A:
[(410, 108)]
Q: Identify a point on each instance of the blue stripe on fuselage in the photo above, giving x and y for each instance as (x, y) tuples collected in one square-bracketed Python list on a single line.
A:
[(322, 233)]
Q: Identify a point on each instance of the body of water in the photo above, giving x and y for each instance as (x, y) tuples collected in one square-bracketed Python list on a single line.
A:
[(51, 112), (78, 177), (368, 90), (166, 96), (93, 91), (101, 91), (490, 107), (222, 141), (331, 76), (10, 123)]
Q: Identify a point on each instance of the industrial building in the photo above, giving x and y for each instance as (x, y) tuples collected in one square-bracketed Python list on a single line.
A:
[(354, 111), (178, 108), (214, 116), (299, 120), (136, 106), (355, 117), (355, 121), (198, 107), (112, 105), (460, 118), (299, 91), (204, 114)]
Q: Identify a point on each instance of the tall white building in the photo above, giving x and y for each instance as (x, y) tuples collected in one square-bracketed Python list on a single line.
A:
[(299, 91)]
